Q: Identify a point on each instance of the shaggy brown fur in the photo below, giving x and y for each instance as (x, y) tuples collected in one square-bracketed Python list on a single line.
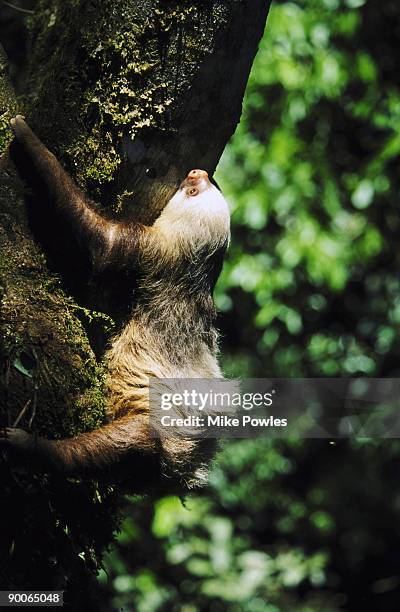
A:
[(168, 334)]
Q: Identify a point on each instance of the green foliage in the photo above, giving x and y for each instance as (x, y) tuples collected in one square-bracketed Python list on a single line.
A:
[(310, 288), (311, 174)]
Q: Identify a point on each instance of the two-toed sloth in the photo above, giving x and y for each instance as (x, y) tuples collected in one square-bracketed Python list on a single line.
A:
[(169, 333)]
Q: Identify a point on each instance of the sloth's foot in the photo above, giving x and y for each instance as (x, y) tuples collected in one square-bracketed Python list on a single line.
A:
[(19, 126)]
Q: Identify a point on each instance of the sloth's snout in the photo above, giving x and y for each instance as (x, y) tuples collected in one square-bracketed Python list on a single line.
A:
[(195, 175), (196, 178)]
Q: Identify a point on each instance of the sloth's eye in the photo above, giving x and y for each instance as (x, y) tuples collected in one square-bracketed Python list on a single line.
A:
[(192, 191)]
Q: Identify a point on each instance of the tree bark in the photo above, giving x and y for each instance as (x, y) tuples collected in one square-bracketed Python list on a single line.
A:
[(49, 371), (129, 95)]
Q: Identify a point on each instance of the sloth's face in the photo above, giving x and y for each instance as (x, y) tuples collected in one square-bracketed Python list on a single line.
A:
[(197, 196), (197, 190), (196, 217), (195, 183)]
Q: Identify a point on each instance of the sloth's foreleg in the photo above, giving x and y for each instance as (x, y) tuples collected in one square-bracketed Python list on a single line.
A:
[(119, 444), (42, 169), (111, 242)]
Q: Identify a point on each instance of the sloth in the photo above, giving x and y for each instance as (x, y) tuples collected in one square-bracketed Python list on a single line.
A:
[(169, 333)]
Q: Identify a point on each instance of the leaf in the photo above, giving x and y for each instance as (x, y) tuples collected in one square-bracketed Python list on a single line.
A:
[(21, 368)]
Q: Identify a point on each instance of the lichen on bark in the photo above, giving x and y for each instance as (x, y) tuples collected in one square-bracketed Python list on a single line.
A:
[(8, 102)]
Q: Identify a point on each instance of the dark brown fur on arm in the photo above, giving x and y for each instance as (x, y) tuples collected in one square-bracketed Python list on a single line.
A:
[(124, 442), (107, 243)]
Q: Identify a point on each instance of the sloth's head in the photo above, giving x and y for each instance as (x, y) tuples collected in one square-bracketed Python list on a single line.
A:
[(195, 184), (197, 214)]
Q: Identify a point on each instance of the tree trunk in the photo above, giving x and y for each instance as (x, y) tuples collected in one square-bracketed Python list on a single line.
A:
[(130, 95)]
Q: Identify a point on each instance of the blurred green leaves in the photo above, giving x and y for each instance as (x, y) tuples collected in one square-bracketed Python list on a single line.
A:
[(309, 174)]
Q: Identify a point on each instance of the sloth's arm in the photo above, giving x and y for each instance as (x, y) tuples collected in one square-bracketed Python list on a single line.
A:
[(92, 454), (92, 231)]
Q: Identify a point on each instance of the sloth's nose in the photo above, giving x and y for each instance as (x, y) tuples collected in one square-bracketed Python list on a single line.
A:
[(196, 175), (196, 178)]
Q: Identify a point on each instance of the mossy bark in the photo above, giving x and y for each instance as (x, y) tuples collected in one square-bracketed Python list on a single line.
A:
[(130, 95), (48, 373)]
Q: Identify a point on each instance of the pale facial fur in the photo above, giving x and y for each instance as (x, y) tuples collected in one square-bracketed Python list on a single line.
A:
[(192, 222)]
